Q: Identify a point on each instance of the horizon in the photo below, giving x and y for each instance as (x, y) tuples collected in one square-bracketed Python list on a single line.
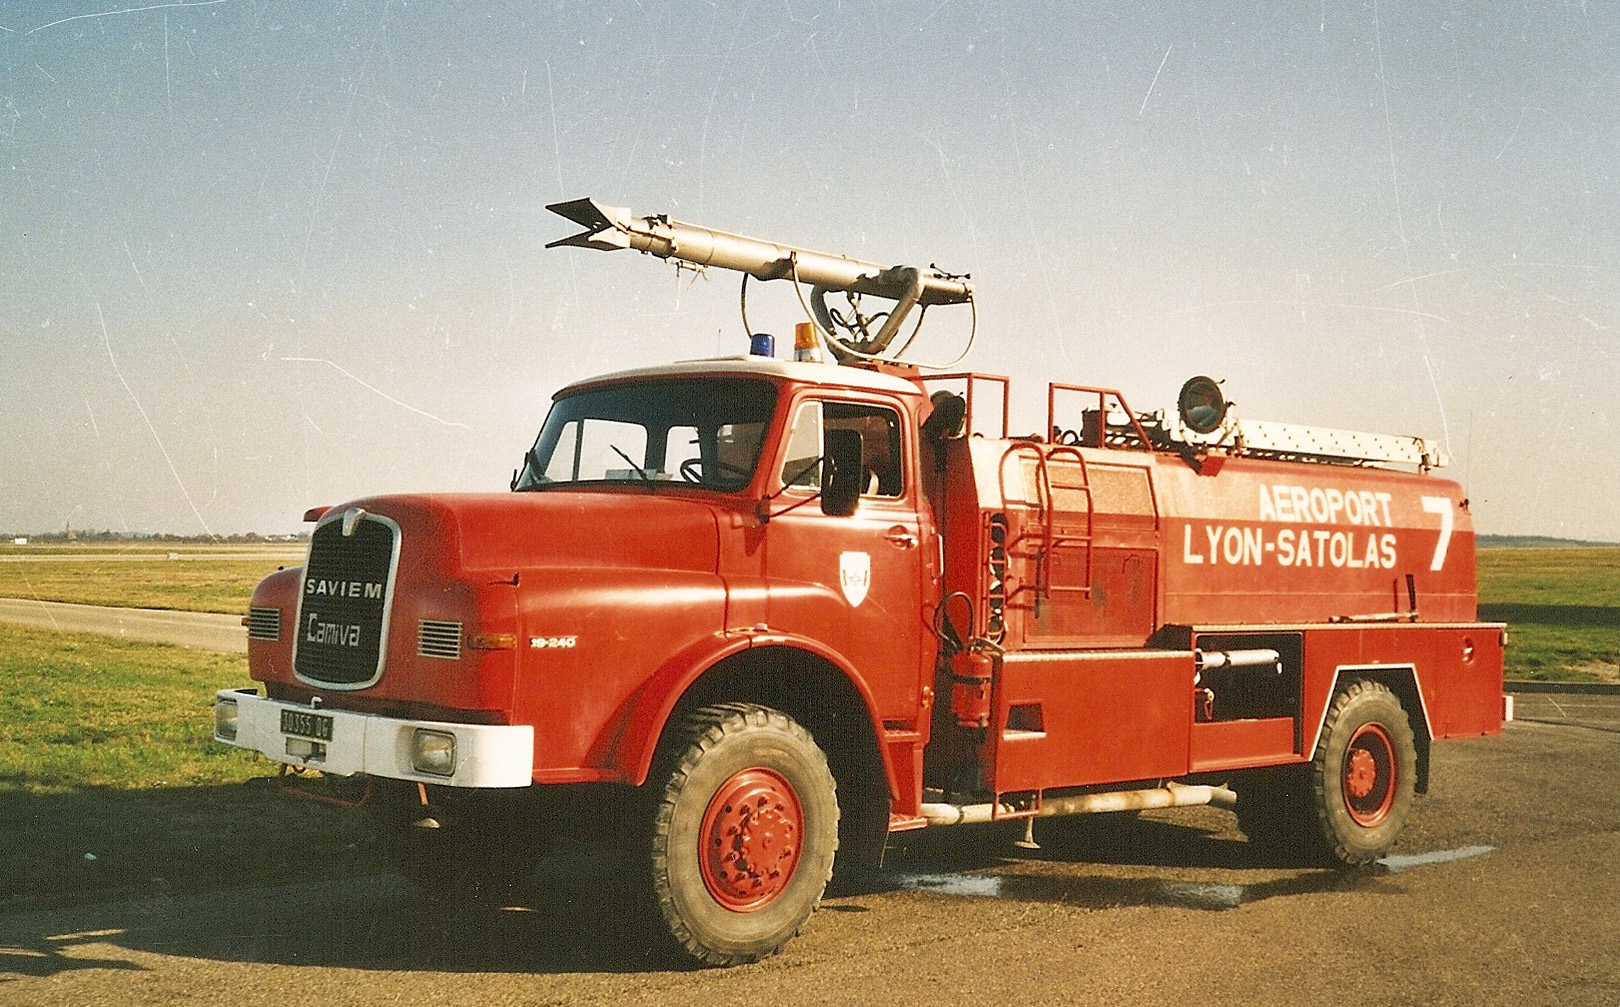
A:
[(1482, 539)]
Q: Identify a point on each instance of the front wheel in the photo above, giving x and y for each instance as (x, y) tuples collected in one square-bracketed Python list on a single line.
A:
[(744, 833), (1364, 773)]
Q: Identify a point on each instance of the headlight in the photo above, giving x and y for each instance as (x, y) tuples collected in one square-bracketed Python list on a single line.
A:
[(433, 753), (225, 719)]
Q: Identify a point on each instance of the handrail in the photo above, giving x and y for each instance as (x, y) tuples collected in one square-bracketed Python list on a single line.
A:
[(1091, 511), (973, 378), (1103, 395), (1046, 508)]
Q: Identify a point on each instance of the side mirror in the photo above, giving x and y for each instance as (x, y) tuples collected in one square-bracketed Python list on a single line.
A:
[(842, 475)]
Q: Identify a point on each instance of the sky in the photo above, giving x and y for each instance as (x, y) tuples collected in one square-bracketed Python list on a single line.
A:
[(257, 257)]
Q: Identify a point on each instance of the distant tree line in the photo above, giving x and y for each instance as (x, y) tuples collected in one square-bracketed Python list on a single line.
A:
[(1534, 542), (105, 535)]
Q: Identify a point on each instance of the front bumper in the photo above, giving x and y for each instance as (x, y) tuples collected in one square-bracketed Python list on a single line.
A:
[(484, 755)]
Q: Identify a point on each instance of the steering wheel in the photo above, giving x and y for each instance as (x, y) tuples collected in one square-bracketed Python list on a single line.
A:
[(692, 470)]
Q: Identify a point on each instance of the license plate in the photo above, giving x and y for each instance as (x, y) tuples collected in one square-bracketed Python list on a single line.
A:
[(306, 725)]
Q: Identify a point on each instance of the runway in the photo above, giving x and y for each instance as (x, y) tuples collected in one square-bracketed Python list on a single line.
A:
[(202, 630)]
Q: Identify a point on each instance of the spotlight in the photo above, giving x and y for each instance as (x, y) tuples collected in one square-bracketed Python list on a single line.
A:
[(1201, 404)]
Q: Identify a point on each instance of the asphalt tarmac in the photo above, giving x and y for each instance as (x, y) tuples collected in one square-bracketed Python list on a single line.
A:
[(201, 630), (1503, 890)]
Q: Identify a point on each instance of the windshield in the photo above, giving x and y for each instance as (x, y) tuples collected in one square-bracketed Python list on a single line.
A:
[(691, 431)]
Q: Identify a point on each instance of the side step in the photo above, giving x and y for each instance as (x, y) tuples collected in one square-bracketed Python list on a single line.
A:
[(1171, 795)]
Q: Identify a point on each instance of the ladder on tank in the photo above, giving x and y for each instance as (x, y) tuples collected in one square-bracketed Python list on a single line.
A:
[(1047, 540), (1097, 432)]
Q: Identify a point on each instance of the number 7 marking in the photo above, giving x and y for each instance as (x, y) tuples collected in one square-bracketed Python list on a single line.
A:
[(1442, 507)]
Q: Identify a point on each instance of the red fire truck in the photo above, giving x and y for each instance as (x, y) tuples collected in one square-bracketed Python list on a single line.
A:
[(753, 615)]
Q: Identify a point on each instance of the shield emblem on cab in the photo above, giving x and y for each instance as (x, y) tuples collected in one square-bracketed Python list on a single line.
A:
[(854, 575)]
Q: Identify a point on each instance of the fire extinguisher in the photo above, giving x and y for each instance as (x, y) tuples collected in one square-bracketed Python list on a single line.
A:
[(971, 671), (971, 667)]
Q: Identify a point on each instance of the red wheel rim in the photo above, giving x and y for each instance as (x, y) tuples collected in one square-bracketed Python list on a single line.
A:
[(1369, 775), (750, 839)]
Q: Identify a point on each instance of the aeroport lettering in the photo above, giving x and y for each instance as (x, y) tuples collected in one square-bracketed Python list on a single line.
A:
[(1353, 548), (1319, 505), (1233, 545)]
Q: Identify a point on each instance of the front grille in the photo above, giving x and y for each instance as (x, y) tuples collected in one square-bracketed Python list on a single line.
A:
[(438, 639), (342, 628), (264, 623)]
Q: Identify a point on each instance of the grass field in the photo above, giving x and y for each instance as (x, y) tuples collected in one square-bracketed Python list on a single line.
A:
[(111, 785), (188, 578), (1562, 607)]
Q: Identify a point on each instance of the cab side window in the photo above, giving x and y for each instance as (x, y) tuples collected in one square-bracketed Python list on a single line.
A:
[(804, 450), (881, 454)]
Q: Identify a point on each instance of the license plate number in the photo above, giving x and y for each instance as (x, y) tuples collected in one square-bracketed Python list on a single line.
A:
[(306, 725)]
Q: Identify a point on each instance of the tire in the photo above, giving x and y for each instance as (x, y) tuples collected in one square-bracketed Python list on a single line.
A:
[(1364, 774), (744, 832)]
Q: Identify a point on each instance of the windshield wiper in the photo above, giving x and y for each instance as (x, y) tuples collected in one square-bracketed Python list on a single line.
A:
[(639, 470)]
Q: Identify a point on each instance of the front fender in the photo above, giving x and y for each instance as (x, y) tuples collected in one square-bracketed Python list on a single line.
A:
[(631, 742)]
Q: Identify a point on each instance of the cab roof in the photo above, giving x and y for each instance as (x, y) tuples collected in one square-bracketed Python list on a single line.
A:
[(829, 375)]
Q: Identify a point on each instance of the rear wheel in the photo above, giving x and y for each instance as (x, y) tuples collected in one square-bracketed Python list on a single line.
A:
[(1364, 773), (1348, 805), (744, 833)]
